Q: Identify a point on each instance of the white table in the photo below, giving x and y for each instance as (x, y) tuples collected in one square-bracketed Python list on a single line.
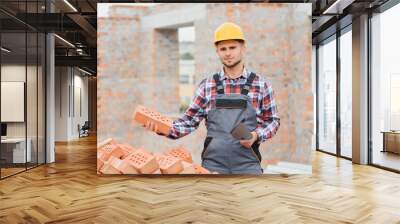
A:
[(19, 149)]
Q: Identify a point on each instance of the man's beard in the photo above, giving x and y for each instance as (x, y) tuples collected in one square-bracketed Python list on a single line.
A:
[(233, 65)]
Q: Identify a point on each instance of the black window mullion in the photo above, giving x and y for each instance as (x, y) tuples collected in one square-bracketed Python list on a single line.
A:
[(73, 92), (317, 95), (45, 94), (369, 88), (26, 86), (37, 90), (338, 80)]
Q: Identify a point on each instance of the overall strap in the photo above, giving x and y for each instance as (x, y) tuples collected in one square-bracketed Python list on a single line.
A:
[(246, 87), (220, 87)]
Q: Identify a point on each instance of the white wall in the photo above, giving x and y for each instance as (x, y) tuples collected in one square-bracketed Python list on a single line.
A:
[(61, 103), (80, 83), (13, 73), (70, 83), (16, 73)]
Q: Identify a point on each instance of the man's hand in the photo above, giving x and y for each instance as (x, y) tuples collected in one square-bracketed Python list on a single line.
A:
[(152, 126), (248, 143)]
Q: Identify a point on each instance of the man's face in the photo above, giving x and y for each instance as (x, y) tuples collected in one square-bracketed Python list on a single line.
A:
[(230, 52)]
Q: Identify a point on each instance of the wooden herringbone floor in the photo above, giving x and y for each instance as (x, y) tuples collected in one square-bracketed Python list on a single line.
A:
[(70, 191)]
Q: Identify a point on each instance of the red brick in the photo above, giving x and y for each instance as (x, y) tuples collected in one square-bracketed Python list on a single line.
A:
[(100, 162), (127, 150), (109, 169), (143, 114), (144, 151), (200, 170), (122, 166), (113, 161), (158, 156), (170, 165), (143, 161), (106, 142), (188, 168), (109, 149), (158, 171), (180, 153)]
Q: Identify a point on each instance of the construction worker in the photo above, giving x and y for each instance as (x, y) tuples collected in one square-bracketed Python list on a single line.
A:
[(231, 96)]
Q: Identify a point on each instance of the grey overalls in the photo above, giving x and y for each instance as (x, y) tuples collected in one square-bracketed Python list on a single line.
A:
[(222, 152)]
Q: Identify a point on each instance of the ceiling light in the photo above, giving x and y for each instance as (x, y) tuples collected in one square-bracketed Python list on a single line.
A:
[(70, 5), (5, 50), (84, 71), (338, 6), (331, 7), (65, 41)]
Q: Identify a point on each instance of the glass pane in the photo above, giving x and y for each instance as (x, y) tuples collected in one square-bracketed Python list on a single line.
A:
[(314, 72), (386, 89), (31, 98), (346, 94), (31, 85), (13, 87), (327, 96), (41, 98)]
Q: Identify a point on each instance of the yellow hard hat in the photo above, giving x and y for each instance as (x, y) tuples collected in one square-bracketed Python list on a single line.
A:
[(228, 31)]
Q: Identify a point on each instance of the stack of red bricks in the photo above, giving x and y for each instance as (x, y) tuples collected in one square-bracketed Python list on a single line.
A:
[(114, 158)]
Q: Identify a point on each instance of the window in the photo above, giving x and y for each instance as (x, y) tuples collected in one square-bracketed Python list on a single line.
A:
[(385, 86), (346, 93), (394, 101), (327, 96), (186, 66), (184, 79)]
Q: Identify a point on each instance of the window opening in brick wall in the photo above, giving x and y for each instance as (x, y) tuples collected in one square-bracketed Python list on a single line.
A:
[(186, 66)]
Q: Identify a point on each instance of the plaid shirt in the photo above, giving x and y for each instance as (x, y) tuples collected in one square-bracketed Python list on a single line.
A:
[(260, 93)]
